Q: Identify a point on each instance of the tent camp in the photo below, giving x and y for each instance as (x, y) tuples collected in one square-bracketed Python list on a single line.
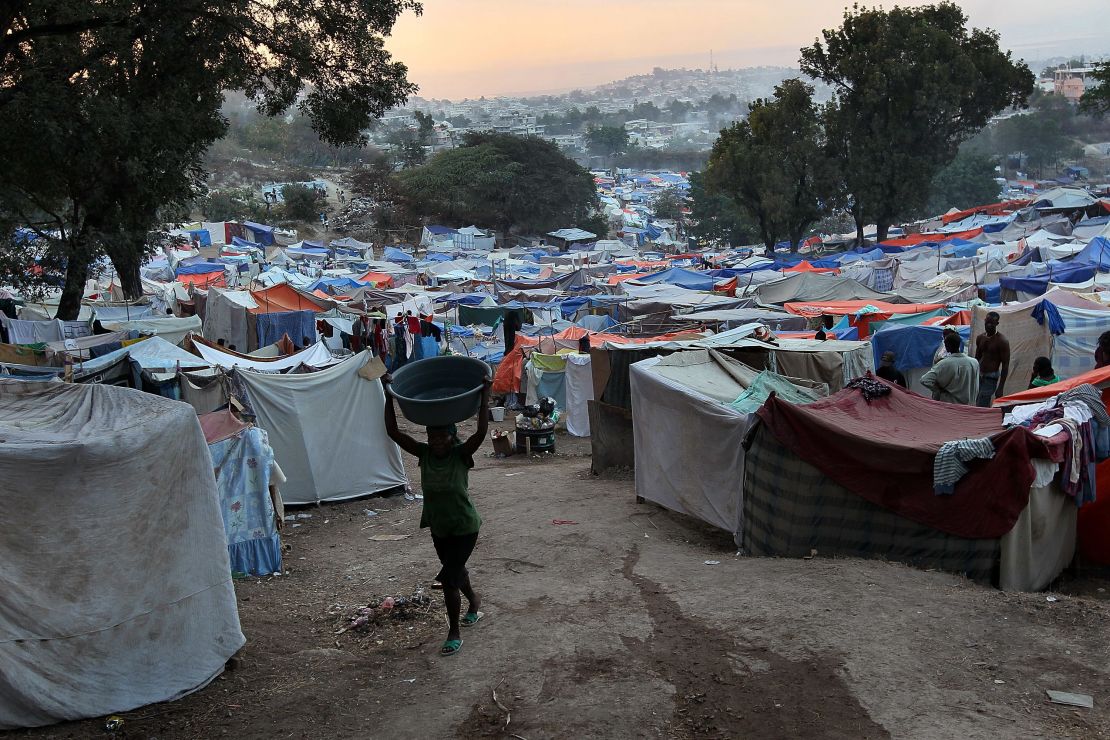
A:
[(327, 431), (134, 604), (847, 476)]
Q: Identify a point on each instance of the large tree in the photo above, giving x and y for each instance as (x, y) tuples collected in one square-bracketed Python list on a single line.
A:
[(909, 85), (511, 183), (968, 181), (607, 140), (1096, 99), (773, 165), (134, 91), (716, 217)]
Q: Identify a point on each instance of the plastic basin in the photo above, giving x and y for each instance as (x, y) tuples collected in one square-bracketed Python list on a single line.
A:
[(439, 391)]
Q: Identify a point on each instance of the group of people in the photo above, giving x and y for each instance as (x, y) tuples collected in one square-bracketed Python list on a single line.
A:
[(957, 377)]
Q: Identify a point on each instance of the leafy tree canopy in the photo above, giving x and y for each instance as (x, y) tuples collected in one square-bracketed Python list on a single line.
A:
[(910, 84), (1096, 99), (716, 217), (518, 183), (774, 166), (967, 181), (607, 140)]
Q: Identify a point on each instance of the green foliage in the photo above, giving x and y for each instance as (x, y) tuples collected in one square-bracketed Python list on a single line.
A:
[(1038, 136), (1096, 99), (668, 205), (607, 140), (233, 204), (967, 181), (459, 121), (716, 217), (109, 106), (509, 182), (425, 126), (910, 84), (774, 166), (302, 203)]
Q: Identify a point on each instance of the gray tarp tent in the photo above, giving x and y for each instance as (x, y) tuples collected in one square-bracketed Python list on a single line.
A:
[(116, 586), (327, 429)]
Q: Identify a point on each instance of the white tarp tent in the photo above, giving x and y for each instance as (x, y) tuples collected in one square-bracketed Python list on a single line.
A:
[(676, 428), (580, 391), (315, 356), (170, 328), (328, 431), (227, 317), (116, 586)]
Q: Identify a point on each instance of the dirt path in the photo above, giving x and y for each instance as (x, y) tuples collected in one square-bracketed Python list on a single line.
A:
[(615, 626)]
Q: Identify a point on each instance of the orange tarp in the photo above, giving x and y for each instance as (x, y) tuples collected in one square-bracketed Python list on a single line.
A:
[(807, 266), (614, 279), (283, 298), (379, 279), (207, 280), (994, 209), (912, 240)]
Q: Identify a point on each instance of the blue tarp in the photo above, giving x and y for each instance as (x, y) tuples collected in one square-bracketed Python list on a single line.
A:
[(440, 230), (438, 257), (682, 278), (342, 283), (297, 324), (237, 241), (392, 254), (263, 234), (992, 293), (1097, 252), (856, 255), (913, 346), (201, 236), (1070, 272), (199, 268), (959, 248)]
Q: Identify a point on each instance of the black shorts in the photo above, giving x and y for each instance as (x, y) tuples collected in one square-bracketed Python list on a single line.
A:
[(453, 553)]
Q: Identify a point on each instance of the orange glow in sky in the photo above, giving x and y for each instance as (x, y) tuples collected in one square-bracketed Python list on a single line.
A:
[(469, 48)]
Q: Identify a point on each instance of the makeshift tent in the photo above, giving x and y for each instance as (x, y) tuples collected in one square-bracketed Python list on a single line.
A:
[(226, 317), (201, 274), (259, 233), (284, 298), (117, 590), (315, 356), (682, 278), (851, 476), (808, 286), (682, 413), (328, 432), (862, 312), (169, 328), (579, 391)]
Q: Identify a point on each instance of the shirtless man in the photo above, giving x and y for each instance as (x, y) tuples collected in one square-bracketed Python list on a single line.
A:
[(992, 350)]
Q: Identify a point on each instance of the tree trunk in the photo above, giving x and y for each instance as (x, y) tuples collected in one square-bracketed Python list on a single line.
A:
[(881, 230), (77, 272), (857, 216), (127, 258)]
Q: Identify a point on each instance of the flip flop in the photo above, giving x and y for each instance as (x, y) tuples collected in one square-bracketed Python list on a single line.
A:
[(471, 618), (450, 647)]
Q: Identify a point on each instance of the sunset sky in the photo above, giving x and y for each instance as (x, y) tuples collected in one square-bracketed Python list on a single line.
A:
[(469, 48)]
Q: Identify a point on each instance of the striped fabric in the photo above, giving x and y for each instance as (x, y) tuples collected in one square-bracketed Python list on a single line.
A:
[(791, 508)]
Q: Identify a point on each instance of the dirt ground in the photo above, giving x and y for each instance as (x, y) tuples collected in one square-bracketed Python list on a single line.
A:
[(615, 625)]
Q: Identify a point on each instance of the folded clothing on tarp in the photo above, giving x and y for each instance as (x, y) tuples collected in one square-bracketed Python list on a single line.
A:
[(885, 451)]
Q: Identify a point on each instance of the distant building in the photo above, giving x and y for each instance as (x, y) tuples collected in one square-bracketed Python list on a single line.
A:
[(1071, 82)]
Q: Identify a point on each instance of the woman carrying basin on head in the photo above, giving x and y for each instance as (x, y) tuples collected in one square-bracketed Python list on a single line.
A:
[(448, 511)]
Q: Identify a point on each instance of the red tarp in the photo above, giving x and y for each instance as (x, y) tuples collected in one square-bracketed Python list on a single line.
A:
[(884, 451), (994, 209), (850, 308), (205, 280)]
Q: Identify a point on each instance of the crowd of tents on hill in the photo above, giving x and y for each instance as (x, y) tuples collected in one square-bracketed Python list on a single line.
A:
[(246, 357)]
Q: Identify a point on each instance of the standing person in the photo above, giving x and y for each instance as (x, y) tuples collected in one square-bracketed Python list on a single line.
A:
[(400, 343), (941, 352), (888, 372), (448, 511), (824, 328), (955, 379), (1043, 374), (1102, 351), (992, 350)]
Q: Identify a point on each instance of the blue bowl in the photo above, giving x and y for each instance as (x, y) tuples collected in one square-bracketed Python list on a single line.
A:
[(439, 391)]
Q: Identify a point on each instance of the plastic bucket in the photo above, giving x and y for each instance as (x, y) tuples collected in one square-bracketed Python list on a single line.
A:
[(440, 390), (497, 413)]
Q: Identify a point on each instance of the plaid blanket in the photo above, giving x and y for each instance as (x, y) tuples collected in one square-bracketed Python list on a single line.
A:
[(790, 508)]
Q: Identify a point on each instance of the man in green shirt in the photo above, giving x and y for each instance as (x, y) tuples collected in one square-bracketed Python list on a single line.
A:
[(955, 379), (448, 511)]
